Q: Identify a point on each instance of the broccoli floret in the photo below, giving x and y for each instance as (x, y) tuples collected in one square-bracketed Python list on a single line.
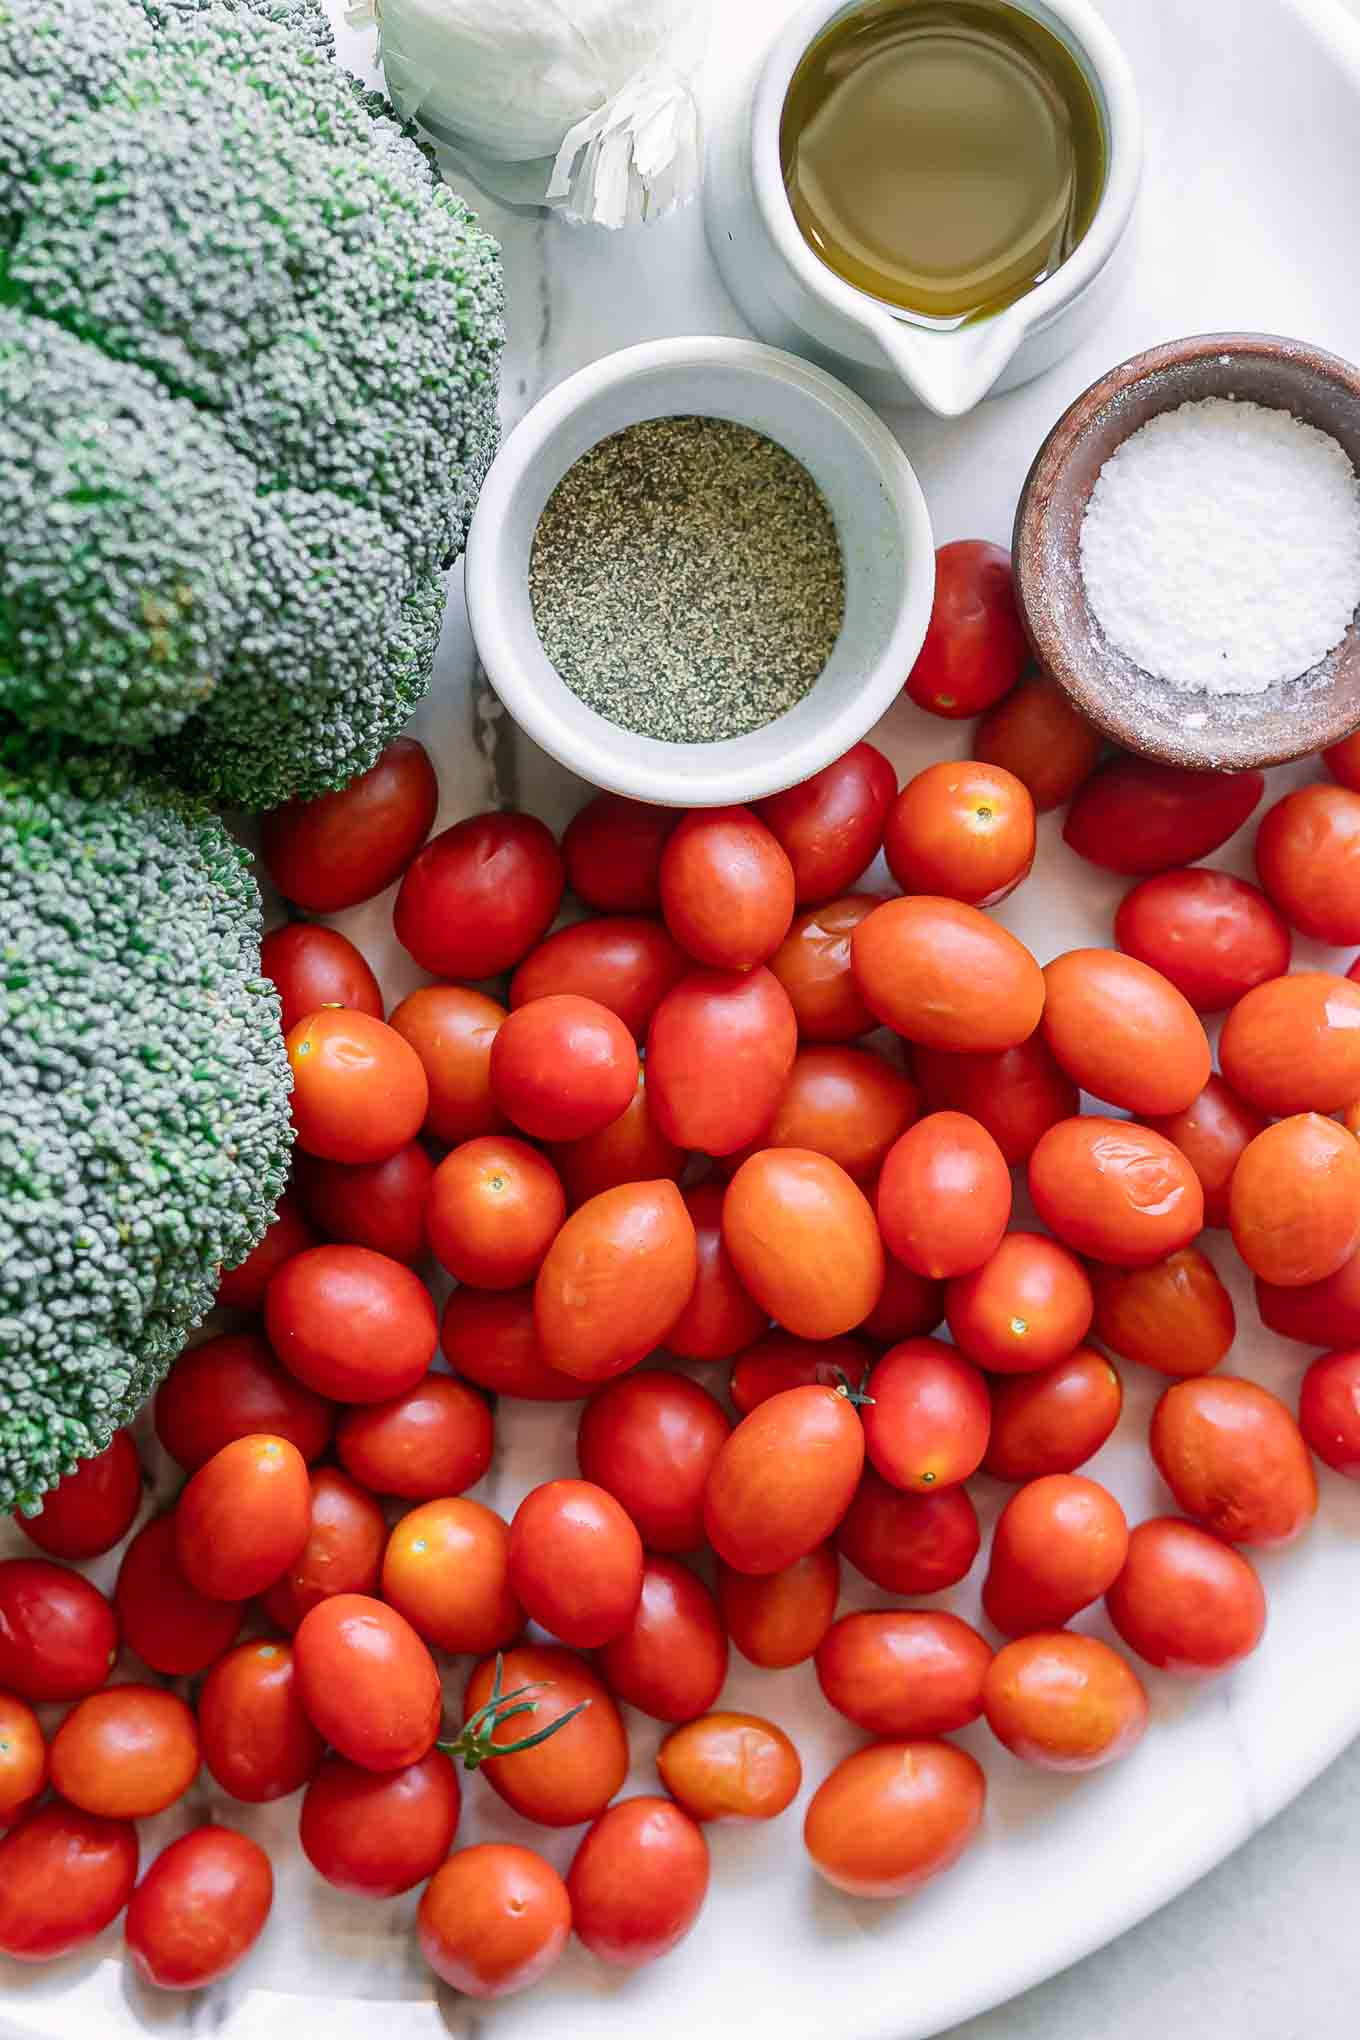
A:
[(144, 1091)]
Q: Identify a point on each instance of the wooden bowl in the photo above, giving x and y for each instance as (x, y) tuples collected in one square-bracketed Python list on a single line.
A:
[(1219, 732)]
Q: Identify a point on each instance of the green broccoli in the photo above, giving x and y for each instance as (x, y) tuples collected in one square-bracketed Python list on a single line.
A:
[(144, 1091), (246, 427)]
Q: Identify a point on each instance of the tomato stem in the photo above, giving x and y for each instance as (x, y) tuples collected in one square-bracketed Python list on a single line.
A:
[(475, 1742), (858, 1396)]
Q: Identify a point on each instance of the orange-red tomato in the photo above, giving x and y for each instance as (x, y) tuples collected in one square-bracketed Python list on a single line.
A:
[(447, 1570), (910, 1304), (803, 1241), (1213, 935), (631, 1149), (1234, 1459), (1037, 734), (944, 1196), (946, 976), (624, 962), (720, 1319), (1053, 1421), (575, 1562), (341, 848), (1064, 1702), (228, 1387), (848, 1103), (1308, 860), (650, 1439), (90, 1510), (367, 1682), (1017, 1093), (1318, 1314), (243, 1518), (64, 1875), (1059, 1543), (903, 1672), (727, 888), (780, 1361), (452, 1028), (313, 967), (495, 1206), (730, 1767), (369, 1204), (343, 1552), (490, 1337), (894, 1815), (1115, 1190), (637, 1881), (909, 1543), (125, 1753), (1175, 1316), (831, 826), (1123, 1032), (928, 1416), (376, 1835), (351, 1324), (573, 1775), (172, 1628), (1293, 1044), (615, 1280), (58, 1636), (359, 1088), (199, 1910), (612, 851), (479, 895), (1329, 1411), (563, 1067), (1185, 1601), (1343, 761), (974, 649), (784, 1479), (434, 1439), (1294, 1203), (1211, 1133), (671, 1660), (1137, 816), (257, 1741), (778, 1619), (23, 1758), (719, 1051), (243, 1287), (1028, 1305), (493, 1919), (812, 963), (963, 831)]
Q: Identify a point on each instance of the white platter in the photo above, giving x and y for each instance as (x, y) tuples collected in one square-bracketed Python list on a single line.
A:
[(1253, 115)]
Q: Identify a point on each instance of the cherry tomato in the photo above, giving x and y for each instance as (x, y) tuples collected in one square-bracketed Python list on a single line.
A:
[(380, 1836), (1293, 1044), (243, 1287), (928, 1416), (452, 1028), (573, 1774), (812, 964), (909, 1543), (624, 962), (563, 1067), (171, 1627), (784, 1479), (341, 848), (490, 1337), (1137, 817), (1294, 1204), (125, 1753), (1343, 761), (1329, 1411), (637, 1881), (1234, 1459), (720, 1318), (612, 851), (615, 1280), (1064, 1702), (1211, 1134), (1123, 1032), (343, 1552), (894, 1815), (650, 1440), (432, 1440), (199, 1910), (58, 1636), (493, 1919), (367, 1682), (910, 1305), (1016, 1093), (447, 1570), (779, 1618), (1028, 1305), (631, 1149), (831, 826), (64, 1875), (359, 1089), (848, 1103), (671, 1660), (944, 1196), (903, 1672), (780, 1361), (1059, 1543), (1308, 860), (495, 1206), (727, 888), (479, 895), (243, 1518), (90, 1510), (228, 1387), (1037, 734), (974, 649), (1320, 1313), (369, 1204), (803, 1241), (1053, 1421), (719, 1051), (1185, 1601), (257, 1741), (351, 1324), (576, 1562), (1212, 935), (730, 1767), (23, 1758), (1115, 1191), (945, 976), (963, 831), (1174, 1316), (314, 967)]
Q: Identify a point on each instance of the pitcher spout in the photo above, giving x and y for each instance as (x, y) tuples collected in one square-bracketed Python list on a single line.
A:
[(950, 372)]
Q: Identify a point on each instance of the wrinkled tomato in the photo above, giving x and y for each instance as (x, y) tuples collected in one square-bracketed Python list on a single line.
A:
[(1115, 1190)]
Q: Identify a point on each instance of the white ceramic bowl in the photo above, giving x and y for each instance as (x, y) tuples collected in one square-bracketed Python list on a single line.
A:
[(881, 521)]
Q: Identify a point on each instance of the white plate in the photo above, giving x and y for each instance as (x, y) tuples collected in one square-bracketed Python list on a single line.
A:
[(1254, 161)]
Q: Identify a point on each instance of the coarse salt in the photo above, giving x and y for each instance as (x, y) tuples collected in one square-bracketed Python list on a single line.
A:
[(1220, 549)]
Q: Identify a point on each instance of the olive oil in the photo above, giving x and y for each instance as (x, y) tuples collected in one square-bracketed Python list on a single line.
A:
[(943, 155)]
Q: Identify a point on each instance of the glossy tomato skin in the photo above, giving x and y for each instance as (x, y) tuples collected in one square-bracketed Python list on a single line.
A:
[(171, 1627), (23, 1758), (1036, 733), (974, 649), (359, 1090), (721, 1319), (243, 1518), (1293, 1044), (730, 1767), (379, 1836), (1317, 1314), (928, 1417), (1308, 860), (812, 963), (1343, 762), (909, 1543), (1055, 1420), (1211, 1133), (125, 1753), (727, 888), (1175, 1316), (631, 1149), (494, 1208), (847, 1103), (576, 1562), (1185, 1601), (493, 1919), (961, 830), (1211, 935), (719, 1051), (351, 1324), (341, 848), (1115, 1190), (942, 974), (671, 1660), (367, 1682), (479, 896), (944, 1196), (1233, 1457), (489, 1336), (574, 1774), (342, 1554), (312, 967), (1123, 1032), (1059, 1544), (637, 1881), (258, 1742), (778, 1619), (1329, 1411), (199, 1910), (447, 1570), (1136, 816), (228, 1387), (784, 1479), (434, 1439), (90, 1510), (623, 962), (615, 1280), (1064, 1702), (563, 1067), (650, 1439), (58, 1634), (804, 1242), (64, 1875), (1027, 1306), (452, 1029), (780, 1361), (1294, 1203), (909, 1305), (369, 1204), (243, 1287), (612, 852), (894, 1815), (831, 826), (903, 1672), (1016, 1093)]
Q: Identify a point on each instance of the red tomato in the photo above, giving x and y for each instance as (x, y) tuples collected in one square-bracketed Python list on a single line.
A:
[(243, 1287), (848, 1103), (727, 888), (380, 1836), (1211, 1134), (730, 1767), (243, 1518), (1123, 1032), (963, 831), (1329, 1411), (1308, 860), (1294, 1204), (369, 1204), (90, 1510), (780, 1361), (434, 1439), (228, 1387), (784, 1479), (447, 1570), (831, 826), (58, 1636), (671, 1660), (779, 1618), (1016, 1093), (637, 1881), (903, 1671), (1343, 761), (1028, 1305), (719, 1051), (314, 967), (975, 649), (172, 1628), (343, 1552), (351, 1324), (812, 963), (258, 1742), (359, 1089), (928, 1416), (573, 1774), (495, 1207), (452, 1028), (1064, 1702), (945, 976), (803, 1241), (1212, 935), (910, 1305), (125, 1753), (650, 1440), (563, 1067), (1185, 1601), (576, 1562), (944, 1196), (23, 1758), (479, 896), (615, 1280), (1053, 1421), (367, 1682), (1114, 1190), (489, 1336), (341, 848), (200, 1909), (612, 851), (64, 1875), (625, 963), (1320, 1313), (631, 1149), (894, 1815), (1037, 734), (1059, 1543), (1175, 1316), (493, 1919), (1234, 1459), (909, 1543), (1293, 1045), (720, 1319), (1138, 817)]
